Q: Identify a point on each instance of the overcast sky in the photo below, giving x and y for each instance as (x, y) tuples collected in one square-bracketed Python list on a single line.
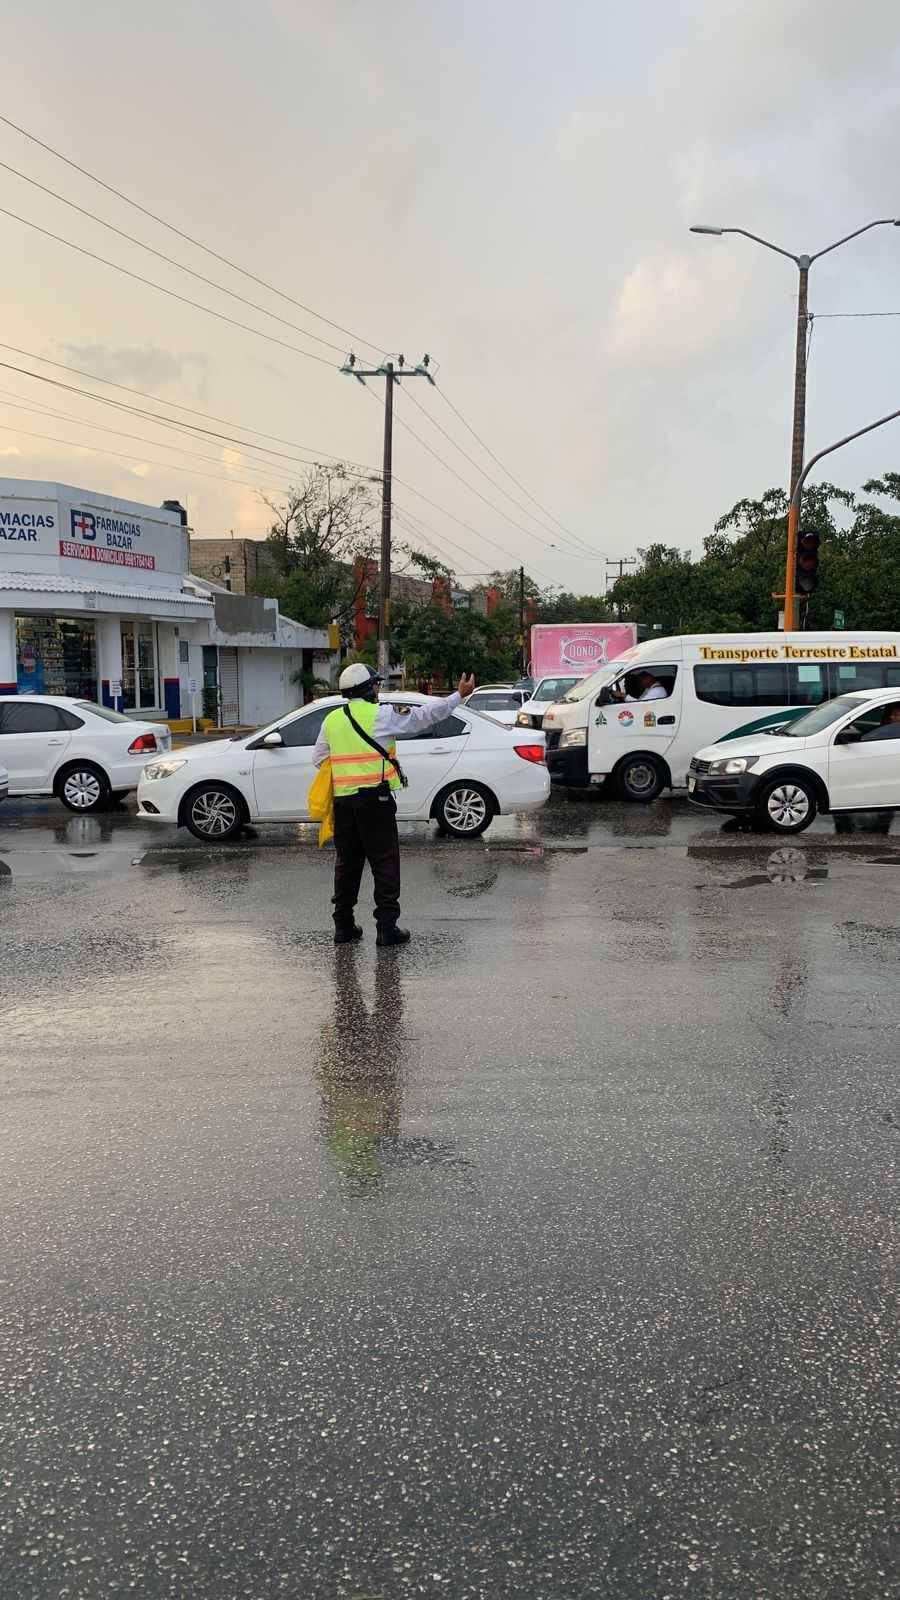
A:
[(503, 183)]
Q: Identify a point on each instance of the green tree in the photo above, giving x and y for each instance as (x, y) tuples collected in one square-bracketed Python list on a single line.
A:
[(568, 607), (321, 533), (439, 644)]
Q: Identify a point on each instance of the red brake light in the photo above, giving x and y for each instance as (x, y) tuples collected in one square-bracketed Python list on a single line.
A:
[(143, 745), (531, 752)]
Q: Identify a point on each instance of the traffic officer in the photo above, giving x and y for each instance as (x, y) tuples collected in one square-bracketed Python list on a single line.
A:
[(360, 738)]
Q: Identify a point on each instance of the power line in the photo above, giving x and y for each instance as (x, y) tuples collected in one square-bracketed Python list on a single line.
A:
[(210, 282), (128, 455), (366, 471), (174, 405), (511, 475), (186, 236), (15, 401), (834, 316), (498, 511), (175, 423), (172, 293), (478, 468)]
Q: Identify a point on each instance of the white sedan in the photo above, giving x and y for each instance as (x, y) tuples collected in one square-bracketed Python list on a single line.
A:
[(498, 702), (462, 773), (84, 754)]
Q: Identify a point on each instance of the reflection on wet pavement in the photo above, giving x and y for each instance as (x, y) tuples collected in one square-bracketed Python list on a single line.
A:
[(363, 1059)]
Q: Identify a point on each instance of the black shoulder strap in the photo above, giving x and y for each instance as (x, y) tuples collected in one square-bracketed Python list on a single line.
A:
[(384, 754)]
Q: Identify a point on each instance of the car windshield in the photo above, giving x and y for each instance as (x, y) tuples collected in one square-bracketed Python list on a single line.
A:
[(599, 679), (102, 711), (550, 689), (822, 717)]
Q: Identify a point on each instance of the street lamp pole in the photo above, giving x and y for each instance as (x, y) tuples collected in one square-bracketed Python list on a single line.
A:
[(803, 264), (794, 508)]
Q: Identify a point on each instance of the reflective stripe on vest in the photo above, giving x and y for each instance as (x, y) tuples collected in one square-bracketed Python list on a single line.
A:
[(354, 764)]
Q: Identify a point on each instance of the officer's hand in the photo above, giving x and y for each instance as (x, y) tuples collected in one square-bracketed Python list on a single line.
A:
[(465, 686)]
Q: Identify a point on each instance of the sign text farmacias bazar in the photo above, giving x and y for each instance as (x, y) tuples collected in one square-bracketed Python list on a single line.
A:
[(801, 652)]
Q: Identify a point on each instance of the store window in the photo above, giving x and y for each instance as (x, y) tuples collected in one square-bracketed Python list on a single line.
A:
[(140, 687), (56, 655)]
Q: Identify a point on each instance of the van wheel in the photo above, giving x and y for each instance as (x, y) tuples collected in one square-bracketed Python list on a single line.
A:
[(639, 778), (787, 805)]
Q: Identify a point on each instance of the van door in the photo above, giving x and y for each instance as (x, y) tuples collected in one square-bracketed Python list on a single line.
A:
[(622, 728)]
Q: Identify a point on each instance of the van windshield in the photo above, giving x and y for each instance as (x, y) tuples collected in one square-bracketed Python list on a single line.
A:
[(822, 717), (599, 679)]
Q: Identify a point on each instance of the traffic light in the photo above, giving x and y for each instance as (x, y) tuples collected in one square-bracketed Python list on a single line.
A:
[(807, 574)]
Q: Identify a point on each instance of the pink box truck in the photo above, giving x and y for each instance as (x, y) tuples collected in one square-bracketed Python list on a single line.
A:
[(577, 648)]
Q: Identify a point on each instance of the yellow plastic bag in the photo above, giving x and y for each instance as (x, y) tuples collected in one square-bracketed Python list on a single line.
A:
[(320, 801)]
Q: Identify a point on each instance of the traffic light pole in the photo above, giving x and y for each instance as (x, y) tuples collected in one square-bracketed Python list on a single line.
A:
[(790, 574), (391, 374)]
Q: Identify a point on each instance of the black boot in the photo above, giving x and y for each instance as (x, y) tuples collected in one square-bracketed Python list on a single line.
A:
[(347, 932), (393, 935)]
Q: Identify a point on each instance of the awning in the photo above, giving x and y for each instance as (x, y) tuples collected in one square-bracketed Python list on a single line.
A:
[(22, 587)]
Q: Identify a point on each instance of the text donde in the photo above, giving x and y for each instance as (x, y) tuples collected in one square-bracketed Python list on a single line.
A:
[(110, 557)]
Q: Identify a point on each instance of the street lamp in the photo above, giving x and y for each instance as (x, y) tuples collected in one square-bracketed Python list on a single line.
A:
[(803, 264)]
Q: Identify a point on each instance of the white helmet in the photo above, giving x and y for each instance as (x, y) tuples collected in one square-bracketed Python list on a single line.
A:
[(356, 679)]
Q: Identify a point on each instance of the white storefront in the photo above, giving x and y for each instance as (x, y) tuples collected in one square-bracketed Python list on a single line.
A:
[(96, 601)]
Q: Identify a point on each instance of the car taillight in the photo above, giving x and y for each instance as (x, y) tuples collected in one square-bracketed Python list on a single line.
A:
[(531, 752), (143, 745)]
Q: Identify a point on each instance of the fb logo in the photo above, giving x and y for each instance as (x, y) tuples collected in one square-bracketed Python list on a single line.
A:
[(84, 525)]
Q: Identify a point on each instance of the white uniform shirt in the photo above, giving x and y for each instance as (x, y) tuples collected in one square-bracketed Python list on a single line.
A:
[(392, 723), (655, 692)]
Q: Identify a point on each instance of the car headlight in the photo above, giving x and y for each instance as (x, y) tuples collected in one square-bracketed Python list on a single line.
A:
[(163, 769), (574, 736), (732, 765), (523, 720)]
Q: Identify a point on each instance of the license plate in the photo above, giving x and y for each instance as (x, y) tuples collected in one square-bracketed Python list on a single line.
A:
[(692, 784)]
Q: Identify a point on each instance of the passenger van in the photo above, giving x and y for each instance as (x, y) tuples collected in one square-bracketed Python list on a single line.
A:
[(716, 686)]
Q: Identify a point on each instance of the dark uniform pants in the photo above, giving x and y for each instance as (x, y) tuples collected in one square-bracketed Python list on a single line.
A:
[(365, 829)]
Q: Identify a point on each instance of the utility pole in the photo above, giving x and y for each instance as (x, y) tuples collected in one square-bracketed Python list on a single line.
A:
[(391, 374), (622, 563), (523, 659)]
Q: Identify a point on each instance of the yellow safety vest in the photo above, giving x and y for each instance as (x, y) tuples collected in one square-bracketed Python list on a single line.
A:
[(354, 764)]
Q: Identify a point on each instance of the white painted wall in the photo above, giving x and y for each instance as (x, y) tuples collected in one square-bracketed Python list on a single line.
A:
[(265, 688)]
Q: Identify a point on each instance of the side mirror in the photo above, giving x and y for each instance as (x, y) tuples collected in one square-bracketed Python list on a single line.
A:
[(604, 698), (273, 741), (849, 735)]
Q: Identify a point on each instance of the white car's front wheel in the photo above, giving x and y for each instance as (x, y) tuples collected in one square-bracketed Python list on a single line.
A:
[(214, 813), (83, 788), (464, 811), (787, 805)]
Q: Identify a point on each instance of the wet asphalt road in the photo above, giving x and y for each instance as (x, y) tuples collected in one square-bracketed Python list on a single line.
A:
[(555, 1256)]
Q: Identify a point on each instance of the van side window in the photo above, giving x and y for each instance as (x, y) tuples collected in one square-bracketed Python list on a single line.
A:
[(808, 684), (850, 675), (750, 685)]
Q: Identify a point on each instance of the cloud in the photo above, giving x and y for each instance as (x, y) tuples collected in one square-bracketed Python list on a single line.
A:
[(150, 368)]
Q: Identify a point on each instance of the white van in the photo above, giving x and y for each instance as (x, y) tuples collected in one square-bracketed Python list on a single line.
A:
[(714, 686)]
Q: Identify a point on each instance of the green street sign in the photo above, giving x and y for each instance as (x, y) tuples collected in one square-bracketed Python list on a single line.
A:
[(837, 620)]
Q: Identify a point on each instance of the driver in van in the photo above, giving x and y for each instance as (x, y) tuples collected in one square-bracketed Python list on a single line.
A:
[(647, 687)]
